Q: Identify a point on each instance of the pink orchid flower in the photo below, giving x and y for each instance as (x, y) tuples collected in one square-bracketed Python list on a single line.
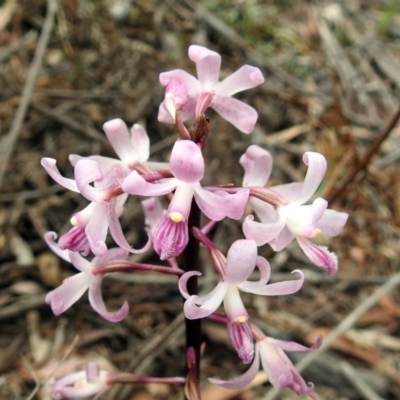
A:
[(241, 261), (187, 165), (292, 219), (90, 382), (90, 226), (63, 297), (276, 364), (193, 96)]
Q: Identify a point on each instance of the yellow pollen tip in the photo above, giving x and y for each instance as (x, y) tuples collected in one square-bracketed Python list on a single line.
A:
[(316, 233), (176, 217), (73, 221), (241, 320)]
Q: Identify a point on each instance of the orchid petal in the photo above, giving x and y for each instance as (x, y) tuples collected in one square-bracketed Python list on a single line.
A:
[(117, 233), (130, 148), (318, 209), (219, 204), (275, 289), (315, 173), (293, 346), (96, 301), (50, 238), (118, 135), (86, 172), (332, 222), (262, 233), (69, 379), (105, 163), (240, 261), (80, 263), (242, 380), (96, 229), (140, 142), (191, 83), (170, 238), (186, 162), (265, 270), (283, 240), (134, 184), (111, 255), (265, 212), (153, 212), (49, 164), (207, 304), (208, 64), (300, 220), (239, 114), (183, 283), (290, 191), (71, 290), (257, 165), (280, 370), (244, 78), (319, 255)]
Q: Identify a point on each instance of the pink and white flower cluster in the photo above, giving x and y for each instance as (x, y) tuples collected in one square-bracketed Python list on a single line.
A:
[(284, 213)]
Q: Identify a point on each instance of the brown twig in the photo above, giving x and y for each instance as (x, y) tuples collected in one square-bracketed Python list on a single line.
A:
[(336, 194), (9, 141)]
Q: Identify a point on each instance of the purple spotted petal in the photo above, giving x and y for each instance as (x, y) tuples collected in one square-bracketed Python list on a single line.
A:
[(170, 238)]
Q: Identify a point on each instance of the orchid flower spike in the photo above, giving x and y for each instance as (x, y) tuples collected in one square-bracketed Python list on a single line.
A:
[(191, 96), (187, 165), (62, 298), (293, 218), (90, 382), (276, 364), (240, 263)]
